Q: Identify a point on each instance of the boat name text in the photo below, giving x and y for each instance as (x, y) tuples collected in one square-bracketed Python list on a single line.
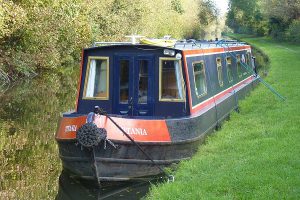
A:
[(71, 128), (129, 131), (135, 131)]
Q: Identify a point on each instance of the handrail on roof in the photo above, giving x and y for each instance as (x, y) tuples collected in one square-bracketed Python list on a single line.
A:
[(229, 42), (184, 43), (133, 38), (208, 44), (96, 44)]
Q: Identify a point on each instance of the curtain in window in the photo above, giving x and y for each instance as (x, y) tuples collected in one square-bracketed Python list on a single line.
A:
[(202, 82), (91, 79), (179, 80), (103, 72)]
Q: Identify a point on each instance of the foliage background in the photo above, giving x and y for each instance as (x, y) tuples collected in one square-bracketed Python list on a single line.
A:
[(279, 19), (40, 35), (46, 36)]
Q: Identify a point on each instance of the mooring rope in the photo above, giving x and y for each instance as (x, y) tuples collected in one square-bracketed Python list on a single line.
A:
[(170, 177), (215, 104), (249, 69)]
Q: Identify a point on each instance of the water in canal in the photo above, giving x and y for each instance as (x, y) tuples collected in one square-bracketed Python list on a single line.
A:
[(30, 167)]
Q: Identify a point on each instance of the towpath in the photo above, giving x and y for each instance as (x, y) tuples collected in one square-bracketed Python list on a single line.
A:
[(256, 155)]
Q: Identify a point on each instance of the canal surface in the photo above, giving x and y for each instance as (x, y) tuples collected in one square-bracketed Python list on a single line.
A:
[(30, 167)]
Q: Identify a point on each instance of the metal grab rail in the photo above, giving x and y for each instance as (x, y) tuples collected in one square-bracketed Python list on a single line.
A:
[(96, 44)]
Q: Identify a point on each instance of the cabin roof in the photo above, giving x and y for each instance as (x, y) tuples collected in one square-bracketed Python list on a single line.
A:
[(127, 45), (179, 44), (204, 44)]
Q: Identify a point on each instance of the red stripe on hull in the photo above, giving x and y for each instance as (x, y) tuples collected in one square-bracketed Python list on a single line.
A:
[(139, 130), (220, 95), (215, 50)]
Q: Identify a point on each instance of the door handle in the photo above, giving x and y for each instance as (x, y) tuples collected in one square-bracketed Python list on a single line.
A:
[(130, 103), (130, 106)]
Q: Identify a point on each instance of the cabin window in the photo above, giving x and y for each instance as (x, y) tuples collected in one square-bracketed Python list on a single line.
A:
[(248, 59), (229, 69), (239, 66), (200, 78), (219, 69), (170, 80), (124, 81), (244, 65), (143, 81), (96, 82)]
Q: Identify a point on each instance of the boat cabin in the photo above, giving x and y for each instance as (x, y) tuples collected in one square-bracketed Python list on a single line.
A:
[(146, 81)]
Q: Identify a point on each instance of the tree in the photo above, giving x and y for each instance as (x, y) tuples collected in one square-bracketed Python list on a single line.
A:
[(209, 20), (245, 16), (281, 15)]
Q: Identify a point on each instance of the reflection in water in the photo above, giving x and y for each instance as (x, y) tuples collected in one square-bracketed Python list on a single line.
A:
[(29, 112), (75, 189), (29, 160)]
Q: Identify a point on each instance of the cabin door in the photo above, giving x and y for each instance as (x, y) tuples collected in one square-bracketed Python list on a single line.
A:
[(134, 91)]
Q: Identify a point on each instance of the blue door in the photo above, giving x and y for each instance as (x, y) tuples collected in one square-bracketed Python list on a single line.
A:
[(133, 91)]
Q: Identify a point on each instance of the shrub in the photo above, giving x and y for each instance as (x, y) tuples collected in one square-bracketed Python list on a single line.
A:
[(38, 35), (293, 32)]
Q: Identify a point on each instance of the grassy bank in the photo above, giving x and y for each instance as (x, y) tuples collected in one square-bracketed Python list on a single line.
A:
[(256, 155)]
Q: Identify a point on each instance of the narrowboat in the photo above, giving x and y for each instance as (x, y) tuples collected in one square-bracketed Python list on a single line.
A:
[(159, 100)]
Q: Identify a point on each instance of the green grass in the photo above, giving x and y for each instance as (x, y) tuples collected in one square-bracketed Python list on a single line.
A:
[(256, 155)]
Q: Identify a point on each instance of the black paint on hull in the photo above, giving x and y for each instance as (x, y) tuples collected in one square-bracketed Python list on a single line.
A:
[(128, 163)]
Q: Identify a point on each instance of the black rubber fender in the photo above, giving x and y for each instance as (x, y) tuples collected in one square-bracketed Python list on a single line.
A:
[(89, 135)]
